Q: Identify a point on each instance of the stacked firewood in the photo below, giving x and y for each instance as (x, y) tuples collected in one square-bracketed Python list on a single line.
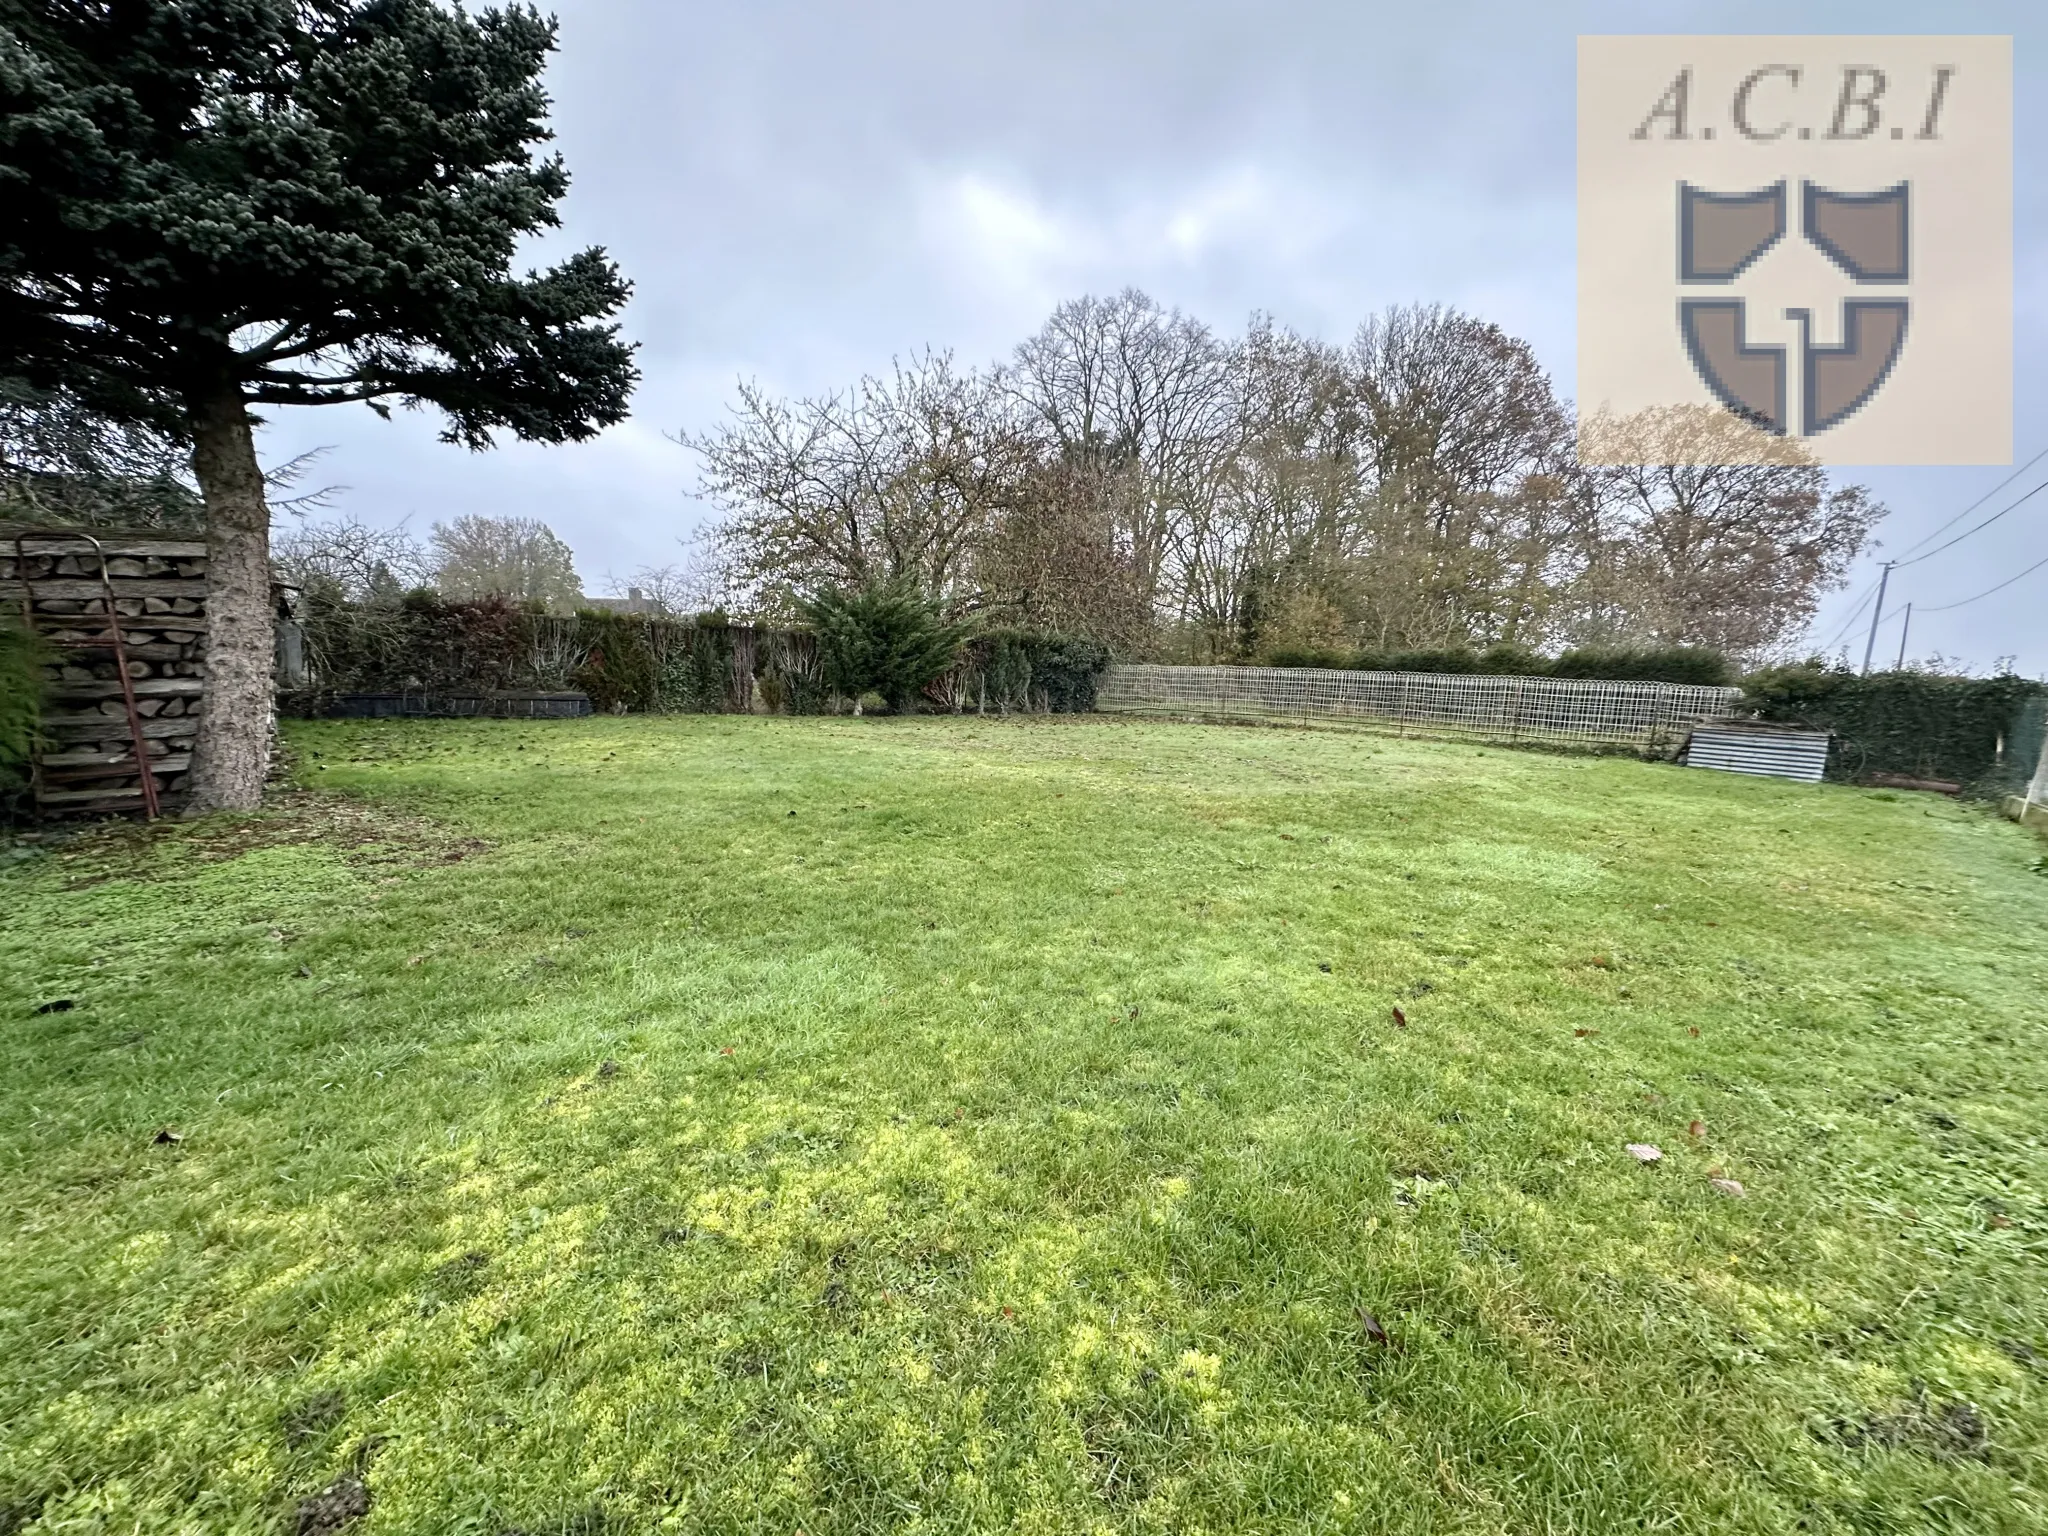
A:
[(88, 761)]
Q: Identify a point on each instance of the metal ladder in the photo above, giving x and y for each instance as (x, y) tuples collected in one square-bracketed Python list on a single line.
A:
[(94, 631)]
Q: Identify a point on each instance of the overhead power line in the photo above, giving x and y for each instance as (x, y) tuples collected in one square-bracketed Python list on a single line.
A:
[(1850, 622), (1973, 506), (1994, 517), (1946, 607)]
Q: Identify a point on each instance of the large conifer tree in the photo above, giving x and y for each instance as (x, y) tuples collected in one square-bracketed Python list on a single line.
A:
[(208, 207)]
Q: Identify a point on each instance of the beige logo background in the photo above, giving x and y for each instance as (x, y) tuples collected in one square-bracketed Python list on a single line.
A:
[(1656, 113)]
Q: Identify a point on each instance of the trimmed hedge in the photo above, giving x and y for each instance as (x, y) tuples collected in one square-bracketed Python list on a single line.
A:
[(1629, 664), (1983, 733), (638, 663), (425, 644), (1025, 670), (1695, 664)]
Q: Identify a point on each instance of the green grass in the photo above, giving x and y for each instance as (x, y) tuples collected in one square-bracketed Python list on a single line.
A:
[(723, 1125)]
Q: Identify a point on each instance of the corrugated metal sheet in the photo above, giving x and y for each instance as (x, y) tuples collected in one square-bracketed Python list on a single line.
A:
[(1801, 755)]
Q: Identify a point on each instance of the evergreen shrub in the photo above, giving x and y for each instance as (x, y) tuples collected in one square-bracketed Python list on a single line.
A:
[(21, 704), (888, 638), (1983, 733)]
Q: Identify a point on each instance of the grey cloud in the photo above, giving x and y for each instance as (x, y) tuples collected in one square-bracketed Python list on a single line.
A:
[(802, 190)]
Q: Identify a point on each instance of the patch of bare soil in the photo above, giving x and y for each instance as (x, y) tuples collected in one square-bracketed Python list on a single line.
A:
[(1948, 1429), (342, 1503), (369, 834)]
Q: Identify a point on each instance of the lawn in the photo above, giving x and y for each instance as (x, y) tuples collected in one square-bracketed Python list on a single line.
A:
[(717, 1125)]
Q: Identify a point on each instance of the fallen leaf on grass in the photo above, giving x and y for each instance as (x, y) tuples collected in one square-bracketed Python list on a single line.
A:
[(725, 1050), (1584, 1034), (1692, 1029), (1375, 1330), (1732, 1188), (57, 1005), (1400, 1019), (414, 959), (1697, 1129), (1643, 1152)]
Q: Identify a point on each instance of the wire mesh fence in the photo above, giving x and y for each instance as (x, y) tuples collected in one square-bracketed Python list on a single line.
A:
[(1550, 711)]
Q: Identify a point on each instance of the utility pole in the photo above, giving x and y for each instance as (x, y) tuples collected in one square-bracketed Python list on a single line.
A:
[(1877, 613), (1905, 629)]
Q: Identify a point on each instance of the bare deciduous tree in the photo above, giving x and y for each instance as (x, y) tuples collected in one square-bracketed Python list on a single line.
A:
[(1055, 558), (671, 591), (898, 478), (1469, 457), (1126, 385), (1130, 474), (350, 559), (1715, 534), (516, 558)]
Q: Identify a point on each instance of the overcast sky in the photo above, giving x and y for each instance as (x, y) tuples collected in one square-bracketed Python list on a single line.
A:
[(801, 191)]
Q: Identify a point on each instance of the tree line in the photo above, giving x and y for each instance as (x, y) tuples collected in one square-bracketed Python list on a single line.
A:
[(1130, 474), (222, 207)]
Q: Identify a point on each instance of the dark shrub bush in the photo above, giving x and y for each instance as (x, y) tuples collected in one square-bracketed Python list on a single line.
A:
[(792, 677), (1664, 664), (1511, 661), (888, 638), (1066, 670), (1311, 656), (21, 704), (619, 667), (1005, 659), (1983, 733), (1023, 669), (1449, 659), (1646, 664), (694, 670)]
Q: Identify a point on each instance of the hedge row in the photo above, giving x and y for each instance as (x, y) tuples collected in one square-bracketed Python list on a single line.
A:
[(638, 663), (1652, 664), (1983, 733), (1018, 669)]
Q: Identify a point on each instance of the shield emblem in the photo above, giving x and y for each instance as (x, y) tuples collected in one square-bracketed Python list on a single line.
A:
[(1720, 234), (1839, 379), (1749, 380), (1863, 233)]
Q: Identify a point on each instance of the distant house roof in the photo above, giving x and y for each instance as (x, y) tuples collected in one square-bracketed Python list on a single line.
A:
[(633, 602)]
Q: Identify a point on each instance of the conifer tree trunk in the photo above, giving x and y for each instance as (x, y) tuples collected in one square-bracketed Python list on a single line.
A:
[(232, 755)]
